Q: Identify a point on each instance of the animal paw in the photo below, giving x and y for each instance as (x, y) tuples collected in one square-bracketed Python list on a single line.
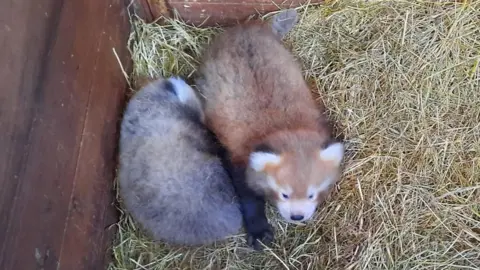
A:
[(260, 232)]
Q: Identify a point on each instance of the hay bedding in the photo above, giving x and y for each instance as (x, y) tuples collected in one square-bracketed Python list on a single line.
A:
[(403, 80)]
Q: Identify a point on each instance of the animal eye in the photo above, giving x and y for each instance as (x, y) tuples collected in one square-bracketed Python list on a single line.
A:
[(310, 196), (285, 196)]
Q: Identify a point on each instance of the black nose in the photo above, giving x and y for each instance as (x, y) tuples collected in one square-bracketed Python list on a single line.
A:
[(296, 217)]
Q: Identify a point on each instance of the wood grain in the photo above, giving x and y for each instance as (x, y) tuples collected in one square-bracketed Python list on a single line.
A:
[(217, 12), (141, 8), (60, 104)]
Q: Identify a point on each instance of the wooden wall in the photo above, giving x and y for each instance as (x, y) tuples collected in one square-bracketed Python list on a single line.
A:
[(62, 93), (210, 12)]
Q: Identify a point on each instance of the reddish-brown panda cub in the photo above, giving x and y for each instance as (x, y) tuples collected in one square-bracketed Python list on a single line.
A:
[(258, 104)]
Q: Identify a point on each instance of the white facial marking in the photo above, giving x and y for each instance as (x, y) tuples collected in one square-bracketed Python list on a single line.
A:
[(289, 208), (333, 152), (258, 160), (325, 184), (272, 184), (312, 191)]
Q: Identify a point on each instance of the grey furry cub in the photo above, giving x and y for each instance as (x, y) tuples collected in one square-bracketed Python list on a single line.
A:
[(171, 177)]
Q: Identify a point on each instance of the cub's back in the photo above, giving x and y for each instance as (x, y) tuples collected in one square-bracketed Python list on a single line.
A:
[(252, 86), (253, 60), (170, 176)]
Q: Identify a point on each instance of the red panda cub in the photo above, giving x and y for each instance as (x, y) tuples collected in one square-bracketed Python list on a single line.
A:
[(258, 104), (171, 177)]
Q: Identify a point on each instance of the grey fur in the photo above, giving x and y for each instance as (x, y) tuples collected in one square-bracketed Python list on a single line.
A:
[(171, 180)]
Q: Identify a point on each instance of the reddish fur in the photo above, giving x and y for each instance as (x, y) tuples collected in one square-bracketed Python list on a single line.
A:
[(284, 177), (262, 99)]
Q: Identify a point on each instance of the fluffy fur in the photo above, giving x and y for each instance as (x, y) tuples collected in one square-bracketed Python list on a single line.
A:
[(261, 109), (171, 178)]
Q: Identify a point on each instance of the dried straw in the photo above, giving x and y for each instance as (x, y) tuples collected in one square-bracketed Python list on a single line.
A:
[(402, 79)]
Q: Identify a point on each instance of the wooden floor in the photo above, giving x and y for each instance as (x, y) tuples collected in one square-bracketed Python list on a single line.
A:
[(61, 96)]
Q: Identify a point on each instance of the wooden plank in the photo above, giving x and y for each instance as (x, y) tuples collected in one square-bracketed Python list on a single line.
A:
[(62, 95), (141, 8), (219, 12)]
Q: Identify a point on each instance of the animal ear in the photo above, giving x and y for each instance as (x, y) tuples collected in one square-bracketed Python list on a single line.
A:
[(284, 21), (262, 156), (186, 95), (333, 153)]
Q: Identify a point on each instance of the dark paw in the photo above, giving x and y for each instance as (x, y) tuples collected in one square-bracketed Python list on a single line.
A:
[(260, 233)]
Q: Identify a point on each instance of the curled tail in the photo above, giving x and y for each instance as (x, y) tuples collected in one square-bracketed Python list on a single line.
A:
[(186, 95)]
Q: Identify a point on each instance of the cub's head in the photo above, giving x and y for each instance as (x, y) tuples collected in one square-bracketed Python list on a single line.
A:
[(297, 181)]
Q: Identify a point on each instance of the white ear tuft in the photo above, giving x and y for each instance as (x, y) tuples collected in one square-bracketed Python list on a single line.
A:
[(186, 95), (258, 160), (334, 152), (284, 21), (184, 92)]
